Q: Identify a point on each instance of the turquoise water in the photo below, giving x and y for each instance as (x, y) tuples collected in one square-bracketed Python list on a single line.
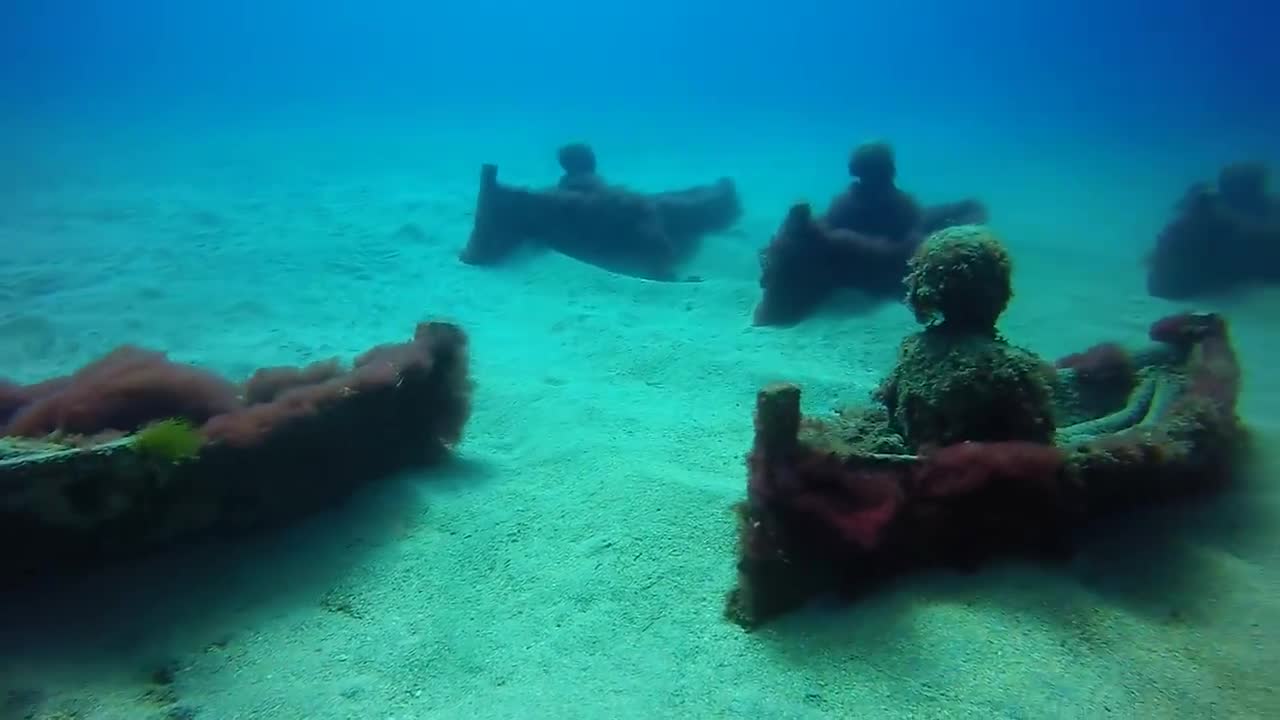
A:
[(246, 187)]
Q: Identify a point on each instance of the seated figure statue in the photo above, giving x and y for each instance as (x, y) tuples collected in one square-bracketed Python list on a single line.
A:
[(863, 241)]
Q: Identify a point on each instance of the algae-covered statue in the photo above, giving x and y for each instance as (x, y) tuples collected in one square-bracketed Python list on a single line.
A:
[(957, 379), (973, 446)]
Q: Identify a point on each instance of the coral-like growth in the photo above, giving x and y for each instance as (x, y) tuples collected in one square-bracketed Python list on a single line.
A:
[(379, 369), (960, 277), (1104, 371), (971, 500), (1186, 329), (123, 391), (859, 429), (951, 387), (267, 384), (1095, 383), (1102, 362), (130, 388), (855, 506), (969, 467), (311, 436), (170, 441)]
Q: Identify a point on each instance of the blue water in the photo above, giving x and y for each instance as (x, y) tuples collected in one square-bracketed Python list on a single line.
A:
[(1113, 65), (226, 181)]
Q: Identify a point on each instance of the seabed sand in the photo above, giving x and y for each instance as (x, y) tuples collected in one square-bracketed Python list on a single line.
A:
[(572, 561)]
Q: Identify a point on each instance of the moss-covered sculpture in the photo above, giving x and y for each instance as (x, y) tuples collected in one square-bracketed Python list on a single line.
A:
[(962, 459), (957, 379), (960, 278), (948, 388)]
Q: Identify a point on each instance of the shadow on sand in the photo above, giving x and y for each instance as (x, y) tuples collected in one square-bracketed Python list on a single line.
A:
[(73, 642)]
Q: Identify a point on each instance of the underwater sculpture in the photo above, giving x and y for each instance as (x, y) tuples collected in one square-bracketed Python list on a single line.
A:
[(1221, 237), (863, 242), (975, 447), (584, 217), (135, 451)]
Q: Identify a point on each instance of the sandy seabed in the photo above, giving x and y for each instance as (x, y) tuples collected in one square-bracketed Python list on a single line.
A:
[(572, 561)]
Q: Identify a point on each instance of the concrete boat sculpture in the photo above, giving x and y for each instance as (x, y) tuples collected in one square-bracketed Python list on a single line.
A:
[(974, 447), (646, 235), (135, 451)]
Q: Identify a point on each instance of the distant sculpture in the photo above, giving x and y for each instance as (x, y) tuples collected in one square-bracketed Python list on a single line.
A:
[(638, 234), (863, 242), (1220, 237)]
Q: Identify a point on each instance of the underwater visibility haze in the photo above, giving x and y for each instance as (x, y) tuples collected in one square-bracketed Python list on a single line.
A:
[(676, 359)]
